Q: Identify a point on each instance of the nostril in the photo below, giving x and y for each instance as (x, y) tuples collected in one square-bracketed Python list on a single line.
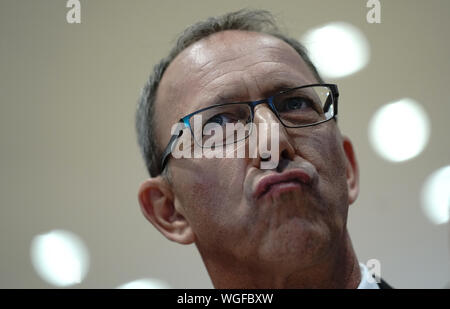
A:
[(283, 161), (285, 154)]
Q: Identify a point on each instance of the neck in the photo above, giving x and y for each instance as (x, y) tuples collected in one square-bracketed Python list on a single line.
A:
[(339, 269)]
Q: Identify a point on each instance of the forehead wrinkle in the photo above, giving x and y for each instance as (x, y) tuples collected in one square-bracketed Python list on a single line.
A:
[(203, 54), (219, 63), (271, 61), (282, 73), (219, 76)]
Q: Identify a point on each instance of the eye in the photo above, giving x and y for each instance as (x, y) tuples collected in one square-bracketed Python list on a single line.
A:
[(296, 103), (220, 119)]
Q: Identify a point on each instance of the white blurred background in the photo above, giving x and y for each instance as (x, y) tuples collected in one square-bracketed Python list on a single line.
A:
[(70, 166)]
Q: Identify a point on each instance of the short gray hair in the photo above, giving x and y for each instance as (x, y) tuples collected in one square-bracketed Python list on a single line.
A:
[(245, 20)]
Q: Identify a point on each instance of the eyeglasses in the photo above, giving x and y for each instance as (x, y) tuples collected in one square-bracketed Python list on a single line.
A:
[(303, 106)]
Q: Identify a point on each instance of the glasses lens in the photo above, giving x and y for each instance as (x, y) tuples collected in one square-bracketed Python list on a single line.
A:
[(221, 125), (303, 106)]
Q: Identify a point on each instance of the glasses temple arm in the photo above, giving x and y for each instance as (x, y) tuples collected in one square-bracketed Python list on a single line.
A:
[(332, 98), (171, 144)]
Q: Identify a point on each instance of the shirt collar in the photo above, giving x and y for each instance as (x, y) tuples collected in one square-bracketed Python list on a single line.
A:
[(367, 281)]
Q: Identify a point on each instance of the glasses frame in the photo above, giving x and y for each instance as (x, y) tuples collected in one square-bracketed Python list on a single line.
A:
[(185, 121)]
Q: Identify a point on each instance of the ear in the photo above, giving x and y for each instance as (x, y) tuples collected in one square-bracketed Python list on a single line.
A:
[(157, 204), (352, 170)]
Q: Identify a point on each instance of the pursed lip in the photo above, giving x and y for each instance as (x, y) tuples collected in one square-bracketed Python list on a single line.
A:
[(294, 175)]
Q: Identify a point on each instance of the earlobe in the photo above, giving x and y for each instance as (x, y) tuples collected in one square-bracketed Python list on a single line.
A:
[(352, 170), (158, 206)]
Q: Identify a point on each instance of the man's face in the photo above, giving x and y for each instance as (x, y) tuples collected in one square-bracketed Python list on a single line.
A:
[(217, 197)]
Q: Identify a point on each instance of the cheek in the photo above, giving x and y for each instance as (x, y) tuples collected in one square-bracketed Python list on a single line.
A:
[(322, 147), (210, 190)]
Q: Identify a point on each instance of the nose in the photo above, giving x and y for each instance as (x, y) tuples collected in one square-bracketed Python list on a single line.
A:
[(271, 132)]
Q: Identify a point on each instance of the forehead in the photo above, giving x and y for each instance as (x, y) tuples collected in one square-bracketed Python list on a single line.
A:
[(233, 51), (235, 65)]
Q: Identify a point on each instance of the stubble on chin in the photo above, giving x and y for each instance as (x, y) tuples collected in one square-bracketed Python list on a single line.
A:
[(297, 230)]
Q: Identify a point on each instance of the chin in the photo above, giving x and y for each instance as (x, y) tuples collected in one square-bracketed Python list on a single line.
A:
[(297, 241)]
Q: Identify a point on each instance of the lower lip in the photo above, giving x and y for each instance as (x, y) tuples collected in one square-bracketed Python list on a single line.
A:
[(277, 189)]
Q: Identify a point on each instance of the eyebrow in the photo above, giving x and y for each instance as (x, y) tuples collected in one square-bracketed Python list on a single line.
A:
[(282, 84), (229, 94)]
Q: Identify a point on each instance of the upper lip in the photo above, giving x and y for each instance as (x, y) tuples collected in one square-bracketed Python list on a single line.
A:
[(297, 175)]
